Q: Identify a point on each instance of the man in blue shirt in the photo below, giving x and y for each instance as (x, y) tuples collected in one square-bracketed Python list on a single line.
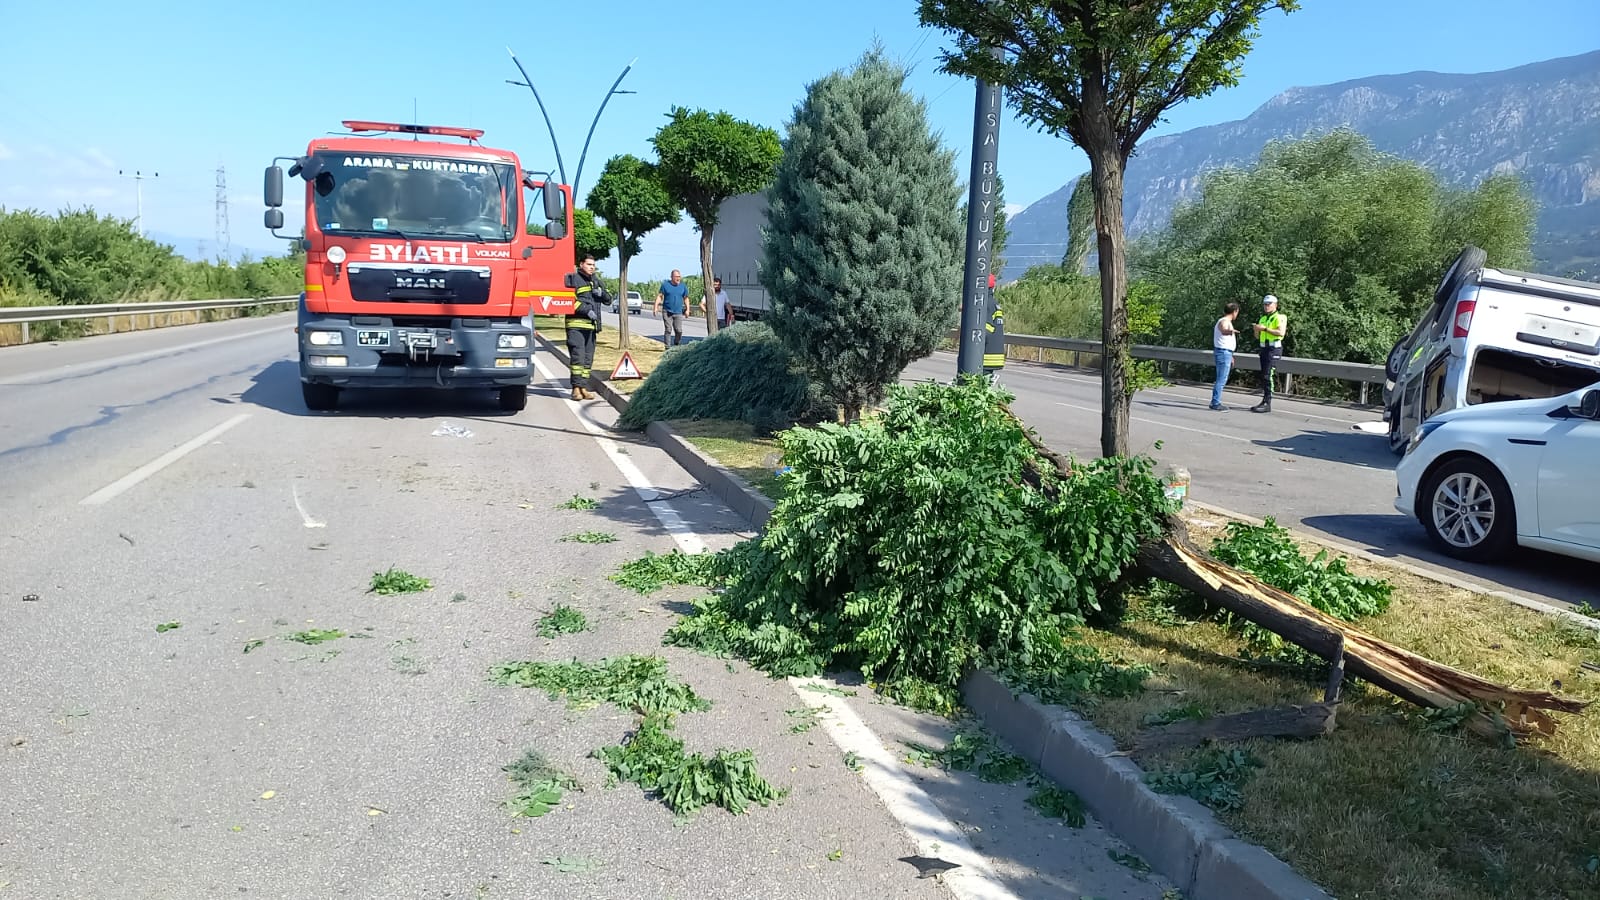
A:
[(673, 298)]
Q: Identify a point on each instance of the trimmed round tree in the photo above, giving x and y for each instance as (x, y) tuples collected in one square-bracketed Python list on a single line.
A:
[(862, 251)]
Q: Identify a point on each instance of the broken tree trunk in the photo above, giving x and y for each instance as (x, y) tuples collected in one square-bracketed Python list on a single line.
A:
[(1405, 674), (1309, 721)]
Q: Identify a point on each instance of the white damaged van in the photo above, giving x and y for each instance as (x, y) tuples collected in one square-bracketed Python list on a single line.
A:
[(1492, 335)]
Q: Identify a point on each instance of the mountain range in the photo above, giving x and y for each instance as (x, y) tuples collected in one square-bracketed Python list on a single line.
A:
[(1541, 119)]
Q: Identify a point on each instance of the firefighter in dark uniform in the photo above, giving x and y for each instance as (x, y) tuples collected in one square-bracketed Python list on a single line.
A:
[(583, 324), (994, 338)]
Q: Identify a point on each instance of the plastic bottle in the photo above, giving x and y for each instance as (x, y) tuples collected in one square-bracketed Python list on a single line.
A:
[(1175, 484)]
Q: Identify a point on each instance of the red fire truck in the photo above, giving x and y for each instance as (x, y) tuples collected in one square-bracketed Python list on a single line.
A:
[(421, 270)]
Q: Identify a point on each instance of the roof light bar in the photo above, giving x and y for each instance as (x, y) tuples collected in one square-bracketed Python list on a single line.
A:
[(471, 134)]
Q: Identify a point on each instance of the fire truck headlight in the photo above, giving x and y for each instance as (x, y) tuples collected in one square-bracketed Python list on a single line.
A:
[(512, 342), (333, 361), (325, 338), (336, 255)]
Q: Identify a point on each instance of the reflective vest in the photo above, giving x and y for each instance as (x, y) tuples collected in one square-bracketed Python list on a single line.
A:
[(994, 339), (1277, 322)]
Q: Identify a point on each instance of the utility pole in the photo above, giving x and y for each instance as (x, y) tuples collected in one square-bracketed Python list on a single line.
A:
[(138, 195), (527, 82), (224, 241), (975, 290)]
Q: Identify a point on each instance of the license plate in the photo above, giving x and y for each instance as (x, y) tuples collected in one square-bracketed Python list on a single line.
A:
[(372, 338), (420, 339)]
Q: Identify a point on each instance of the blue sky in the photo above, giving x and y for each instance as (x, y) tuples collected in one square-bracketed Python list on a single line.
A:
[(92, 87)]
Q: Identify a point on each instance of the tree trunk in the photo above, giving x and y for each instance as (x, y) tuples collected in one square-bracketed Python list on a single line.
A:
[(624, 314), (1400, 672), (707, 296), (1106, 171), (1308, 721)]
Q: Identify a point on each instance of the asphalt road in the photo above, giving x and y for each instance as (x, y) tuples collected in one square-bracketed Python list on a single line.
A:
[(175, 477)]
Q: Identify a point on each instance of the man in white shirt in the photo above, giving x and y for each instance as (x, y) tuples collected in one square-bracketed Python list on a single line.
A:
[(724, 308), (1224, 340)]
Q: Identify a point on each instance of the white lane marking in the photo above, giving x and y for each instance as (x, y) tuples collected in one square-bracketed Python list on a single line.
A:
[(300, 507), (928, 827), (1160, 424), (116, 488), (114, 361), (666, 515)]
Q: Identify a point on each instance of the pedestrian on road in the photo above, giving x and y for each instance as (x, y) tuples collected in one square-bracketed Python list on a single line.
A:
[(1270, 329), (583, 324), (1224, 340), (724, 308), (673, 299)]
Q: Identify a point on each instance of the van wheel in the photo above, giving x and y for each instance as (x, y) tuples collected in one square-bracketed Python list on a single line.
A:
[(514, 399), (1467, 511), (319, 397), (1397, 356)]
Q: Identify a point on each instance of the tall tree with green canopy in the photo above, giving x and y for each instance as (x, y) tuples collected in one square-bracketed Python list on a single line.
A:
[(634, 202), (862, 253), (704, 159), (589, 237), (1102, 73), (1353, 240)]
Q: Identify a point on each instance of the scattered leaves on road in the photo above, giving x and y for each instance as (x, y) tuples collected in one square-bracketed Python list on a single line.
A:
[(165, 627), (314, 635), (397, 581), (590, 537), (636, 683), (562, 620), (579, 501), (572, 865)]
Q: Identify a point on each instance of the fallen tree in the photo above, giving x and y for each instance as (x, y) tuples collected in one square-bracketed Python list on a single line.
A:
[(946, 535)]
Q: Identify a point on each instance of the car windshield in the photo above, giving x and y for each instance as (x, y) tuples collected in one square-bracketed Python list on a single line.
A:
[(415, 196)]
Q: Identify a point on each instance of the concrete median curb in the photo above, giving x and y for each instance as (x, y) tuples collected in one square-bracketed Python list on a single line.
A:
[(1177, 836), (749, 503)]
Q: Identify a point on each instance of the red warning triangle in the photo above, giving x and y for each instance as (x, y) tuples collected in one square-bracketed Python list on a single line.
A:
[(625, 368)]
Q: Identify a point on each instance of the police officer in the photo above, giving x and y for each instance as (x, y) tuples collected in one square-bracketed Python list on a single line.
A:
[(994, 339), (1270, 329), (583, 324)]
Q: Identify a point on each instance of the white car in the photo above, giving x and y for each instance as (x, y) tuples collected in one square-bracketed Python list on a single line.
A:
[(635, 303), (1484, 479)]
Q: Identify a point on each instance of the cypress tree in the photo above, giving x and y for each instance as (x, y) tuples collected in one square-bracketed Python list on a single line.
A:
[(862, 252)]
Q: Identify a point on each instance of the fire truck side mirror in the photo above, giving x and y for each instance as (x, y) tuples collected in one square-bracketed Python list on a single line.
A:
[(556, 229), (272, 187), (555, 204), (273, 219)]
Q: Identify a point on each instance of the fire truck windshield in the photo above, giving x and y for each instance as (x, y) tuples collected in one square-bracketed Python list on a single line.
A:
[(415, 196)]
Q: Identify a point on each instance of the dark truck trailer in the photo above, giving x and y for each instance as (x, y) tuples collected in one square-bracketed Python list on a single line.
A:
[(736, 254)]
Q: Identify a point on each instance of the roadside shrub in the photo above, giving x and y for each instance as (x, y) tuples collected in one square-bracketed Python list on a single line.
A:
[(925, 543), (743, 374)]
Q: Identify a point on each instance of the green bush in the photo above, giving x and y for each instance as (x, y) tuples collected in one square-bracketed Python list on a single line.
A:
[(743, 374), (1268, 552), (921, 545), (79, 257)]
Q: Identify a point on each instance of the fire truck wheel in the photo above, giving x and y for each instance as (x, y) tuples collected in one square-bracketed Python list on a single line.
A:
[(319, 396), (514, 399)]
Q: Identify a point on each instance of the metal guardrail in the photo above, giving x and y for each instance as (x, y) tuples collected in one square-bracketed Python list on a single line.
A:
[(1362, 374), (26, 315)]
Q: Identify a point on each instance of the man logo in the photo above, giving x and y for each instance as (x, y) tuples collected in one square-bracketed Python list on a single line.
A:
[(404, 281)]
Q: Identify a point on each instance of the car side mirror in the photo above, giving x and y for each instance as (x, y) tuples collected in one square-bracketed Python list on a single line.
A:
[(1589, 405)]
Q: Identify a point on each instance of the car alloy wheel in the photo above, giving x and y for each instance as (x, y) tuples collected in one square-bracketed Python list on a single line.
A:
[(1463, 510)]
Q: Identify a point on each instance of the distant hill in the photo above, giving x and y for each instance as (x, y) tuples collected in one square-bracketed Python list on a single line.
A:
[(1542, 120), (202, 250)]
